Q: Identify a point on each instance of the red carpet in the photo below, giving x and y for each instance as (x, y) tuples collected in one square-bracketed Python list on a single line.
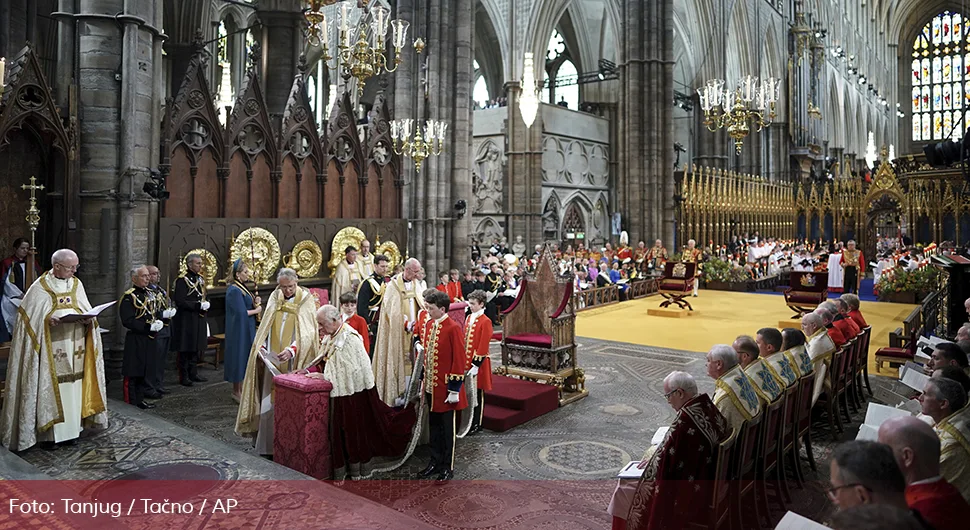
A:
[(513, 402)]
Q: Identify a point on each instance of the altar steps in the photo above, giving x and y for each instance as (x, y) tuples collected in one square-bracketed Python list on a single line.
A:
[(512, 402)]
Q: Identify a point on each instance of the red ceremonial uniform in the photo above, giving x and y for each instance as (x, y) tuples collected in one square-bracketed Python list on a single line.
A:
[(859, 319), (624, 253), (360, 326), (444, 364), (847, 326), (940, 503), (421, 325), (477, 337), (837, 337), (452, 289)]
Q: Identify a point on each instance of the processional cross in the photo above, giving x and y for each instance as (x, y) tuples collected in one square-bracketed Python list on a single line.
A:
[(33, 214)]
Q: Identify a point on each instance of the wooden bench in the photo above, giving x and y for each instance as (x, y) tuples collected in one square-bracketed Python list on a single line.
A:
[(902, 342)]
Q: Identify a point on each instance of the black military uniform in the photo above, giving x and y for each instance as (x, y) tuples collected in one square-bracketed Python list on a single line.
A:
[(370, 294), (156, 369), (137, 310), (189, 333), (494, 283)]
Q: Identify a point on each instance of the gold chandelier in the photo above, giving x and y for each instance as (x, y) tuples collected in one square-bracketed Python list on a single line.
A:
[(750, 105), (361, 52), (423, 145)]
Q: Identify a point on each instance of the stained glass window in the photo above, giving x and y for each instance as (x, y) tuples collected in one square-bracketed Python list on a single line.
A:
[(941, 79)]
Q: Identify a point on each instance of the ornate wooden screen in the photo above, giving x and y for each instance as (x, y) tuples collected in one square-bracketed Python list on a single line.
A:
[(259, 167)]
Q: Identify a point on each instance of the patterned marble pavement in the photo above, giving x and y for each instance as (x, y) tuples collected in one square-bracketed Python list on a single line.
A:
[(556, 470)]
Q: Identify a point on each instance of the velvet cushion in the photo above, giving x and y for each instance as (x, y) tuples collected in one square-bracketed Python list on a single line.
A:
[(802, 297), (676, 285), (531, 339), (899, 353)]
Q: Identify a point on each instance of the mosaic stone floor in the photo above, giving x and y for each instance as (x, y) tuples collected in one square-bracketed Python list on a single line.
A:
[(555, 470), (563, 462)]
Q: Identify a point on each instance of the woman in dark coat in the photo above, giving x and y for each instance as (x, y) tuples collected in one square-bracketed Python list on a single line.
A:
[(241, 310)]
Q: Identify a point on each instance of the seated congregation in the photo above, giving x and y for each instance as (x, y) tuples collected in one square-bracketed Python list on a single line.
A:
[(725, 455)]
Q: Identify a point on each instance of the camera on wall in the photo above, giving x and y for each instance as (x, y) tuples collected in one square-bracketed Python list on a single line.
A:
[(155, 186), (460, 207)]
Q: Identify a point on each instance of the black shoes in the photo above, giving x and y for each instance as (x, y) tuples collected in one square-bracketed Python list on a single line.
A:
[(164, 391), (428, 471), (153, 395), (198, 379), (444, 476), (185, 382), (145, 406), (474, 430)]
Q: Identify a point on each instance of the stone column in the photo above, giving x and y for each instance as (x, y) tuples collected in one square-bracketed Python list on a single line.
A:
[(524, 162), (646, 182), (282, 42), (116, 119), (438, 238)]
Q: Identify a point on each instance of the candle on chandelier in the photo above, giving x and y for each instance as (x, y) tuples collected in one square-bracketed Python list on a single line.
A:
[(343, 23), (3, 66)]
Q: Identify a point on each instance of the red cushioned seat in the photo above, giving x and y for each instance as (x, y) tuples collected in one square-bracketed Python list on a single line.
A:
[(804, 298), (899, 353), (531, 339), (669, 285)]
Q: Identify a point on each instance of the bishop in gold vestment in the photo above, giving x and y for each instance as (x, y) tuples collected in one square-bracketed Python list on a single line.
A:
[(56, 369), (289, 332), (392, 361)]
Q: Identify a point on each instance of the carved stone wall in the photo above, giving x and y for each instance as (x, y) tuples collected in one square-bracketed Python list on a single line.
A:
[(575, 177), (489, 204)]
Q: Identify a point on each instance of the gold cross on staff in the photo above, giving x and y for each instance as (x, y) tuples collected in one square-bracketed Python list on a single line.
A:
[(33, 214)]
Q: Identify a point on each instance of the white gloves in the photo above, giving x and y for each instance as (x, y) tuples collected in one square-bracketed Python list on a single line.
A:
[(452, 397), (168, 313), (418, 348), (156, 325), (473, 371), (408, 325), (399, 402), (204, 306)]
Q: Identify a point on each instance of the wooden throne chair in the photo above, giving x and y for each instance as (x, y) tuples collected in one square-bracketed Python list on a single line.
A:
[(539, 332), (806, 291), (677, 283)]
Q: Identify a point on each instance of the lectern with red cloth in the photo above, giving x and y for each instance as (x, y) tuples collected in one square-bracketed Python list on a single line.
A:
[(677, 283), (807, 291), (301, 438)]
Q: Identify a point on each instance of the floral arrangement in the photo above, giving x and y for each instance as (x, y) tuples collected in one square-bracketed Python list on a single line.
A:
[(900, 280), (717, 270)]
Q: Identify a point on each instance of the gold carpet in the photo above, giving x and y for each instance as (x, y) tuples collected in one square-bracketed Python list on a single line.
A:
[(719, 317)]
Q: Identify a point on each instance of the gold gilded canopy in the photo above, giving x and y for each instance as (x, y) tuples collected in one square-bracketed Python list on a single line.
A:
[(391, 250)]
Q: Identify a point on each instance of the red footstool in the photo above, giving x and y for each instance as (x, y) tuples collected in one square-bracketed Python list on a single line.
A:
[(301, 439)]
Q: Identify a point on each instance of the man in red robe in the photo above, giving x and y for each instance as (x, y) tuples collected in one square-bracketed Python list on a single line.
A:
[(837, 337), (917, 451), (364, 431), (854, 313), (846, 325), (677, 482), (478, 335), (13, 285), (853, 266), (444, 375)]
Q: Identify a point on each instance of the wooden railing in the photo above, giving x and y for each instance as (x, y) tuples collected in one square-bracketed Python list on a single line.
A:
[(643, 288), (596, 297)]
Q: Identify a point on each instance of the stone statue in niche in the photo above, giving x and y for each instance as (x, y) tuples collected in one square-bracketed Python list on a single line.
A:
[(488, 176), (342, 150), (518, 248), (550, 221)]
